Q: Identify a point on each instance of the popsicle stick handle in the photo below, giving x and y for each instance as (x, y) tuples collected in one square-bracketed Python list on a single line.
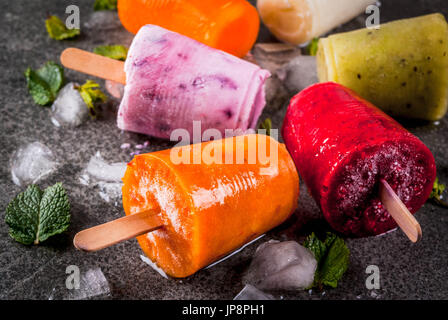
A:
[(113, 232), (93, 64), (396, 208)]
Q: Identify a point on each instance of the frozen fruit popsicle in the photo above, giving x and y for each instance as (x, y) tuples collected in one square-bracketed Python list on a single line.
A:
[(228, 25), (343, 147), (207, 210), (402, 67), (172, 80), (298, 21)]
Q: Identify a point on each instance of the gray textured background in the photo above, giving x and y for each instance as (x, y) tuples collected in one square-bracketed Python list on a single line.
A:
[(407, 271)]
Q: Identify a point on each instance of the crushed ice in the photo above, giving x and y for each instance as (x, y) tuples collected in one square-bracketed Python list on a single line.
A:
[(104, 176)]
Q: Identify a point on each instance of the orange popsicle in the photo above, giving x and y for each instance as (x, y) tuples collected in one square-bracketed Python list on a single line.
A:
[(210, 209), (228, 25)]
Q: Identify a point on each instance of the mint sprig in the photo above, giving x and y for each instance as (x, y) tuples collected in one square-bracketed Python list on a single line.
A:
[(437, 193), (91, 94), (57, 30), (105, 5), (45, 83), (35, 215), (332, 255), (117, 52)]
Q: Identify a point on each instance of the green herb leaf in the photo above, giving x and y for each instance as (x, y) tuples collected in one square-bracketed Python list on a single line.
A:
[(332, 257), (91, 94), (35, 215), (437, 193), (105, 5), (117, 52), (57, 29), (266, 125), (312, 47), (45, 83)]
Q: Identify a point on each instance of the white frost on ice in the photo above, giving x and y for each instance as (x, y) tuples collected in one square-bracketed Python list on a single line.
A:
[(153, 265), (281, 266), (69, 109), (32, 162)]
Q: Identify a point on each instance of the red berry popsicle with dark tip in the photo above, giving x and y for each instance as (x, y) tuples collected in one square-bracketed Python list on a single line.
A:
[(343, 146)]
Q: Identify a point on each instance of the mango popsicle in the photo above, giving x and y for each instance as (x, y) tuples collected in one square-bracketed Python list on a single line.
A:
[(298, 21), (343, 147), (209, 210), (401, 68), (228, 25), (172, 80)]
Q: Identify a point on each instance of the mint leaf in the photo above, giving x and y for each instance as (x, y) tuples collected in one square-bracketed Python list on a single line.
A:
[(91, 94), (266, 125), (57, 29), (311, 49), (35, 215), (38, 88), (53, 75), (45, 83), (335, 264), (117, 52), (437, 193), (332, 257), (105, 5)]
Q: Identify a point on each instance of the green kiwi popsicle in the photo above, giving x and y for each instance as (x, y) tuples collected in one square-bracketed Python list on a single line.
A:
[(402, 67)]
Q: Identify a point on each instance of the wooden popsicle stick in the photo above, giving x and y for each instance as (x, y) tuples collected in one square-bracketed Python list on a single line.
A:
[(93, 64), (396, 208), (113, 232)]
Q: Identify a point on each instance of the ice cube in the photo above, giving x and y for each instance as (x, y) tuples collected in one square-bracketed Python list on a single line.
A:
[(298, 74), (69, 109), (109, 190), (273, 55), (32, 162), (101, 170), (104, 176), (249, 292), (281, 266), (92, 284)]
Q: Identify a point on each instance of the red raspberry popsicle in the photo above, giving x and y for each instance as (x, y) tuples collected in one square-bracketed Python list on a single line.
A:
[(343, 146)]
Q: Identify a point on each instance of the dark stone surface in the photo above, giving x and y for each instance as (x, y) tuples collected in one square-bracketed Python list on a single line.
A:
[(408, 271)]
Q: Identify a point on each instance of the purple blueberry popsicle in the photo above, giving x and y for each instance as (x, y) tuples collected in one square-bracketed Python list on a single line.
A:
[(172, 80)]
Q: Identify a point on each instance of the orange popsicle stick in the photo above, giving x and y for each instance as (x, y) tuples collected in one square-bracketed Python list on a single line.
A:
[(113, 232), (93, 64), (396, 208)]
